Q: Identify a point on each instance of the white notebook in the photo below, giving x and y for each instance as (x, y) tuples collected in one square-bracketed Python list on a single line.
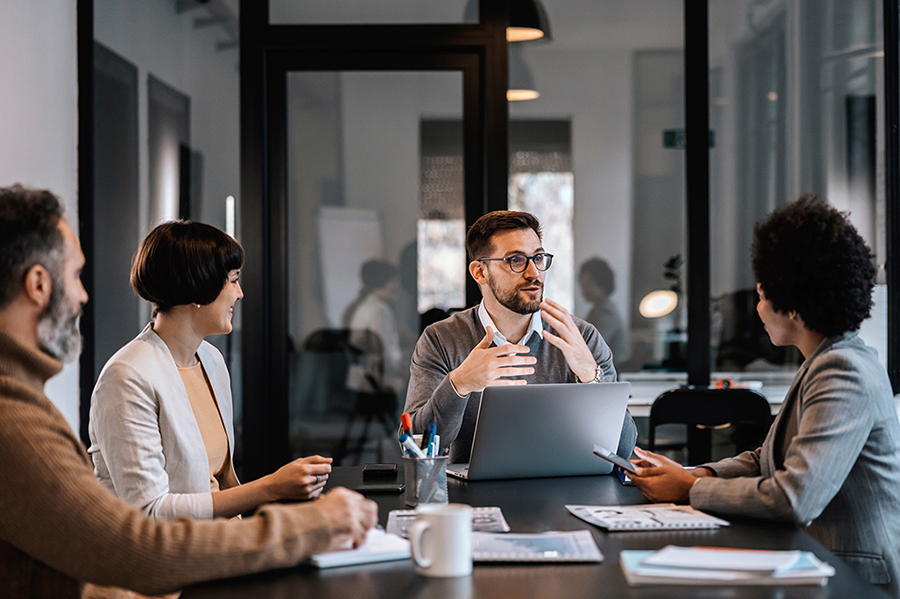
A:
[(792, 568), (380, 546), (655, 516)]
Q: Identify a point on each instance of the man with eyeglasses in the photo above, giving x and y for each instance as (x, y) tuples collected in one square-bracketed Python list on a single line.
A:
[(513, 337)]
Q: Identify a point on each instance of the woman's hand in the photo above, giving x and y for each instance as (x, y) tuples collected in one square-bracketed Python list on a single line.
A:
[(301, 479), (662, 480)]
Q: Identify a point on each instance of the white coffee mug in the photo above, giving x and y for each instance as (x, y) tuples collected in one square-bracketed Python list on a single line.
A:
[(441, 540)]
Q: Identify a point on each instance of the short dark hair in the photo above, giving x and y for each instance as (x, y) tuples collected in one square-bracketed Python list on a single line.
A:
[(29, 235), (809, 258), (184, 262), (478, 239), (600, 273)]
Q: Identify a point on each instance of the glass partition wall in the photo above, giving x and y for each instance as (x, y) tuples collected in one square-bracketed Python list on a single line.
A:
[(375, 239), (374, 162), (796, 106)]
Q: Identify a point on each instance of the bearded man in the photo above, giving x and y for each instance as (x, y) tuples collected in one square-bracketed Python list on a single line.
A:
[(513, 337), (59, 527)]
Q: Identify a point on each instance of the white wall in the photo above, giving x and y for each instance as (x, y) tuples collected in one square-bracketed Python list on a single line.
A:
[(39, 121)]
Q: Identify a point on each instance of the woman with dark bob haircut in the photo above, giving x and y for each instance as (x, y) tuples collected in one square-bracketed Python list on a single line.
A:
[(831, 460), (161, 427)]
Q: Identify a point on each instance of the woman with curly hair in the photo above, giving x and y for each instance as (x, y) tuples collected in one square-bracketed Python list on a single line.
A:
[(831, 460)]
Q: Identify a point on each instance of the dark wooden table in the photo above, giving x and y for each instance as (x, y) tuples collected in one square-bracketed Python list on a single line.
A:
[(537, 505)]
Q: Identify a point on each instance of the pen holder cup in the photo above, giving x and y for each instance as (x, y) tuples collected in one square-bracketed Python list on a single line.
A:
[(426, 480)]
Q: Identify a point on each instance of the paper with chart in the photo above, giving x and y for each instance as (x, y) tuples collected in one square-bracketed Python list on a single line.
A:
[(569, 546), (655, 516)]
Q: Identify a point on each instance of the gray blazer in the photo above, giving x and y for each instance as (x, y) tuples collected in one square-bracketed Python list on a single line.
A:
[(830, 462), (145, 442)]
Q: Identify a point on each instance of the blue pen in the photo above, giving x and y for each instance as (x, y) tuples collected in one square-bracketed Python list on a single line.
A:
[(428, 438), (410, 445)]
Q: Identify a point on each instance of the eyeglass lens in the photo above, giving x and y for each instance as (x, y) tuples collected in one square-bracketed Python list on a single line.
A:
[(519, 262)]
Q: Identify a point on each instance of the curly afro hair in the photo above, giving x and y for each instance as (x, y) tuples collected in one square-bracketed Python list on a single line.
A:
[(808, 258)]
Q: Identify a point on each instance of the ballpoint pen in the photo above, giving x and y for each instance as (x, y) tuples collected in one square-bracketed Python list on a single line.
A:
[(428, 438)]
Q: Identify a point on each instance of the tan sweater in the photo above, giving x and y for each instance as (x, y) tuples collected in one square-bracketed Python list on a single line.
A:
[(59, 528)]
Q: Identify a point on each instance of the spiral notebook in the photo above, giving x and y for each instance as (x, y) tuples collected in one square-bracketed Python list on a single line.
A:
[(568, 546), (656, 516)]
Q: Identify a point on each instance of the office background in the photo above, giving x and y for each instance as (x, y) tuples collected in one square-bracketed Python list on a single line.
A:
[(383, 129)]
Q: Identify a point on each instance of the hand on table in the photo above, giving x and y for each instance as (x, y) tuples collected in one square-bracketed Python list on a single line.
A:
[(662, 480), (569, 340), (301, 479), (486, 366), (349, 516)]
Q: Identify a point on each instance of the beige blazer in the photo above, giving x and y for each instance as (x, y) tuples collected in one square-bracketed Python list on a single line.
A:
[(145, 442)]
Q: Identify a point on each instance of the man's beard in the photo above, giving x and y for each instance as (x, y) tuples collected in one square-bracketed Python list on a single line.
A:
[(58, 332), (511, 300)]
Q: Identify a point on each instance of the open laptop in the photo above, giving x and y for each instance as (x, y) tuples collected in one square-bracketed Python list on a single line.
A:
[(533, 431)]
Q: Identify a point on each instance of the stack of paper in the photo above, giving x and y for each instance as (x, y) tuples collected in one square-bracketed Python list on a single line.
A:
[(712, 566), (380, 546)]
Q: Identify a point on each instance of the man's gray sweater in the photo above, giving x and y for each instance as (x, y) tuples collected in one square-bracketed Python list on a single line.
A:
[(444, 345)]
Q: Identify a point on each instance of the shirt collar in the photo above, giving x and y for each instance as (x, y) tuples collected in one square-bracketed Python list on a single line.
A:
[(535, 326)]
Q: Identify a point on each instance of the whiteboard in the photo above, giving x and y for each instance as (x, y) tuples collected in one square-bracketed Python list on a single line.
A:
[(348, 237)]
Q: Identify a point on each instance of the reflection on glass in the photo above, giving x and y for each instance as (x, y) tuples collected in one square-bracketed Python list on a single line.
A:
[(442, 264), (793, 107), (549, 197), (355, 12), (375, 234)]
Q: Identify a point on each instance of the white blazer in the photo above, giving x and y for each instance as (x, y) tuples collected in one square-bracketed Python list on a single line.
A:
[(145, 442)]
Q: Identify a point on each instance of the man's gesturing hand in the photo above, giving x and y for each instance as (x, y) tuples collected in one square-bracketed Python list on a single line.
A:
[(486, 366), (569, 340)]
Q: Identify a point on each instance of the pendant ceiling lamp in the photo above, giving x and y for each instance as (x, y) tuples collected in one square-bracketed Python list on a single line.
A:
[(527, 20), (521, 83)]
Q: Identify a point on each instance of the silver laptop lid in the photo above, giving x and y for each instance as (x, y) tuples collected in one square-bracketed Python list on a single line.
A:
[(533, 431)]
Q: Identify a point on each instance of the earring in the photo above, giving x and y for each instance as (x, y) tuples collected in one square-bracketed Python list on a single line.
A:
[(198, 305)]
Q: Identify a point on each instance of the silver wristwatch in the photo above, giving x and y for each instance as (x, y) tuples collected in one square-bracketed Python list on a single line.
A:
[(598, 376)]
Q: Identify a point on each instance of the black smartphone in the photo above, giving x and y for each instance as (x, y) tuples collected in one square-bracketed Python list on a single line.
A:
[(380, 488), (379, 471), (610, 456), (623, 477)]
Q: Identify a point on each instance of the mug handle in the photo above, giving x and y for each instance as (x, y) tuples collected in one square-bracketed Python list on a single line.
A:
[(415, 541)]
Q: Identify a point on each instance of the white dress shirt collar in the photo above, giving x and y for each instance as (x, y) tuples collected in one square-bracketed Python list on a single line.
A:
[(535, 326)]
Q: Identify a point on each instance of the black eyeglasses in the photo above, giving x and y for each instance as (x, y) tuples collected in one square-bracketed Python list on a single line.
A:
[(519, 262)]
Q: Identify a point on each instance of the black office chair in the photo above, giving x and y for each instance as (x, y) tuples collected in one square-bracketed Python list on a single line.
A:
[(374, 402), (339, 351), (702, 409)]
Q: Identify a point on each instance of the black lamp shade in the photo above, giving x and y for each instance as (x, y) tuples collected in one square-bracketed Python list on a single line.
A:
[(527, 21)]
